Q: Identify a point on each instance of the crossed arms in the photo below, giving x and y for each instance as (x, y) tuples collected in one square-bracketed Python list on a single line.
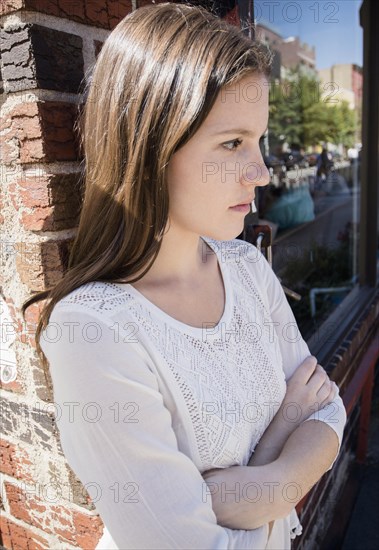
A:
[(289, 459)]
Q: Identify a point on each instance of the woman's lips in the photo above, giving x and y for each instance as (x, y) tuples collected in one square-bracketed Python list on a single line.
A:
[(241, 208)]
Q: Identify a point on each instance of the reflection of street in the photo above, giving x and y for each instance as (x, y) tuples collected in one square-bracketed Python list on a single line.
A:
[(332, 213), (315, 256), (305, 173), (316, 259)]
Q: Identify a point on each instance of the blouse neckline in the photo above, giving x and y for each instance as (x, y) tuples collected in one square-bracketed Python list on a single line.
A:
[(208, 329)]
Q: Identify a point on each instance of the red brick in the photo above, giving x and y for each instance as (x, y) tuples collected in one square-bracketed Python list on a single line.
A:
[(13, 195), (2, 203), (55, 200), (18, 503), (34, 191), (24, 128), (58, 120), (40, 218), (117, 11), (32, 151), (98, 13), (22, 110), (33, 312), (25, 121), (88, 529), (40, 132), (8, 6), (5, 532), (40, 265), (68, 525), (7, 452), (9, 149), (15, 461), (15, 536), (16, 386)]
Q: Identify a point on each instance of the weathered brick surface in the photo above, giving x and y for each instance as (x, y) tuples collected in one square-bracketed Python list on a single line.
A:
[(33, 506), (97, 13), (2, 201), (16, 462), (60, 140), (9, 6), (17, 537), (58, 59), (22, 502), (40, 265), (31, 424), (16, 386), (38, 57), (18, 63), (54, 199), (79, 495), (40, 132), (42, 381), (1, 76), (22, 330), (87, 529)]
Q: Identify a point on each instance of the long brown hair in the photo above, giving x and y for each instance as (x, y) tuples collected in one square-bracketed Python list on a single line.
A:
[(155, 80)]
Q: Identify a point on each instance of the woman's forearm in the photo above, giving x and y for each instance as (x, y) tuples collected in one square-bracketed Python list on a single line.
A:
[(271, 444), (272, 441), (247, 497), (307, 454)]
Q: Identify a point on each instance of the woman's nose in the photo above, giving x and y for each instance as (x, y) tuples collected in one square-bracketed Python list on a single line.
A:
[(256, 173)]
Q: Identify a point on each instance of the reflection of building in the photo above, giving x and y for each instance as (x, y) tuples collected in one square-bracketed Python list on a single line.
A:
[(296, 53), (344, 81), (288, 52)]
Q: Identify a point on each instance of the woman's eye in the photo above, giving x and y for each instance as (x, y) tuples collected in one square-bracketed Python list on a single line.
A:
[(235, 144)]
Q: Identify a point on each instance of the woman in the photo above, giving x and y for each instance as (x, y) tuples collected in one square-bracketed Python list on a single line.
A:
[(172, 349)]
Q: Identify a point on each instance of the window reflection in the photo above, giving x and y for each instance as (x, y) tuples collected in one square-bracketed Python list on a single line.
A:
[(312, 149)]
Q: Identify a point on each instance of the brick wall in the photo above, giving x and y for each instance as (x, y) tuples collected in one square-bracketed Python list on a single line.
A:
[(47, 47)]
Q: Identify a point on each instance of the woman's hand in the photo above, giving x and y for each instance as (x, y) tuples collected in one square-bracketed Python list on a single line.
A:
[(309, 389)]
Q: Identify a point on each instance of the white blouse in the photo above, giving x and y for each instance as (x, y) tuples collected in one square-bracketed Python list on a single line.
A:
[(147, 403)]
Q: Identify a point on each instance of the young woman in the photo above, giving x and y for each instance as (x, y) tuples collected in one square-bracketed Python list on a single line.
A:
[(190, 407)]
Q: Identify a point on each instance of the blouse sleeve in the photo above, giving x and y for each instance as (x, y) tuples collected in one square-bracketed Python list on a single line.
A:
[(117, 436), (293, 348)]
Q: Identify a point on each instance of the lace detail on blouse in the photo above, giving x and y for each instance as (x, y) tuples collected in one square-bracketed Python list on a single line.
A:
[(230, 376)]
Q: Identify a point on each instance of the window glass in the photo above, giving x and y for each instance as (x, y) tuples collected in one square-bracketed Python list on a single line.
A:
[(312, 149)]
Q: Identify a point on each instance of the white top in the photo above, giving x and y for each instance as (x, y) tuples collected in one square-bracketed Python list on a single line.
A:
[(146, 403)]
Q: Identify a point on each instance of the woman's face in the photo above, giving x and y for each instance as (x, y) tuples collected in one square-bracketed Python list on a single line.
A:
[(221, 165)]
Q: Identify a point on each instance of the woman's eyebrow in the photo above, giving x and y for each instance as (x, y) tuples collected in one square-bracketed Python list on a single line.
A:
[(242, 131)]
